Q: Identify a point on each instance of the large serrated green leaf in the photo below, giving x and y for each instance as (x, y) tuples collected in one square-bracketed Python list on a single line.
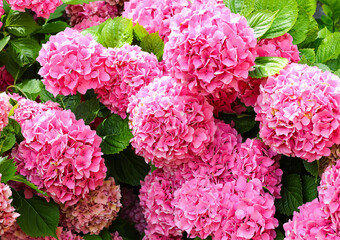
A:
[(139, 32), (115, 133), (243, 7), (20, 24), (311, 167), (153, 44), (53, 27), (87, 110), (291, 194), (24, 51), (301, 27), (7, 169), (7, 141), (243, 122), (268, 66), (309, 188), (285, 18), (279, 235), (334, 6), (4, 41), (66, 102), (329, 48), (308, 5), (309, 53), (38, 218), (260, 21), (32, 88), (22, 179), (117, 32)]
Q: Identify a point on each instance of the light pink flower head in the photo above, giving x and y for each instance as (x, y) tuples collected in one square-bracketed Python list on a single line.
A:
[(43, 8), (170, 125), (6, 78), (94, 212), (154, 16), (130, 69), (72, 62), (299, 112), (5, 108), (209, 48), (311, 222), (61, 155), (7, 212)]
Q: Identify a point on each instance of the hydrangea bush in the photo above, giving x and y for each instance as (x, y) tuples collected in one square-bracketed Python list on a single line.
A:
[(148, 120)]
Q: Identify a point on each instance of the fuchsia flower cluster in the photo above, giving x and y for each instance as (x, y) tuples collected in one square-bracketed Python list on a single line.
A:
[(5, 108), (43, 8), (2, 11)]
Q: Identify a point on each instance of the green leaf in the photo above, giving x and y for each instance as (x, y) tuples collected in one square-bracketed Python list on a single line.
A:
[(285, 18), (127, 167), (7, 141), (92, 237), (337, 73), (139, 32), (309, 188), (268, 66), (32, 88), (24, 51), (77, 1), (323, 67), (309, 53), (53, 27), (153, 44), (115, 133), (66, 102), (334, 6), (6, 6), (95, 32), (7, 169), (308, 5), (125, 228), (20, 24), (311, 167), (22, 179), (291, 193), (38, 218), (117, 32), (260, 21), (279, 235), (105, 234), (334, 64), (4, 41), (243, 7), (87, 110), (57, 13), (329, 48), (301, 27), (243, 122), (11, 66)]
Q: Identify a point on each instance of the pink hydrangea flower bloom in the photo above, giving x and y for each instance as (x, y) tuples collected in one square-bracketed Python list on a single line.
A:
[(94, 212), (61, 155), (209, 48), (115, 236), (5, 108), (43, 8), (6, 78), (7, 212), (299, 112), (255, 160), (156, 196), (2, 11), (249, 90), (130, 69), (311, 222), (154, 16), (170, 125), (72, 62)]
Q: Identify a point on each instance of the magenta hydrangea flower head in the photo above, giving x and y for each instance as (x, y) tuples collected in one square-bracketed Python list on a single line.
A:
[(130, 69), (209, 48), (61, 155), (6, 78), (116, 236), (156, 197), (72, 62), (299, 112), (256, 160), (249, 90), (154, 16), (8, 215), (170, 125), (94, 212), (43, 8), (2, 11), (247, 211), (5, 108), (311, 222)]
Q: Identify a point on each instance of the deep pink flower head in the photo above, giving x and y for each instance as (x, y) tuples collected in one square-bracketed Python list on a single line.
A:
[(311, 222), (249, 90), (7, 212), (223, 100), (130, 69), (256, 160), (115, 236), (156, 197), (95, 12), (72, 62), (5, 108), (299, 112), (6, 78), (94, 212), (43, 8), (2, 11), (61, 155), (154, 16), (156, 236), (209, 48), (247, 211), (170, 125)]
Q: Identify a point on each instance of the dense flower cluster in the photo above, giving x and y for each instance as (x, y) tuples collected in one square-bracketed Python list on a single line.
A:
[(209, 48), (2, 11), (115, 236), (61, 155), (5, 108), (87, 15), (72, 62), (154, 16), (299, 112), (6, 78), (130, 69), (96, 211), (7, 212), (170, 125), (43, 8)]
